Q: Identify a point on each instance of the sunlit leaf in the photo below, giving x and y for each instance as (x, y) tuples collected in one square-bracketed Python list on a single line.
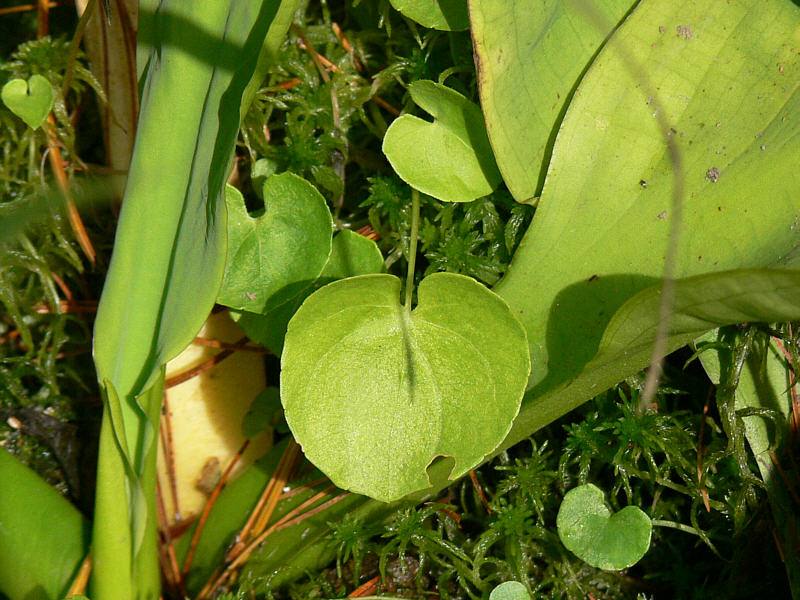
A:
[(351, 254), (531, 54), (30, 100), (274, 256), (374, 394), (449, 158)]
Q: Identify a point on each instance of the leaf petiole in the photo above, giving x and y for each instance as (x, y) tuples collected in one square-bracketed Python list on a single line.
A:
[(412, 248)]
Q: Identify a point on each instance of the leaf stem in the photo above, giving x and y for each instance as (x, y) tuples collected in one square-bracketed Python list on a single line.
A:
[(412, 248)]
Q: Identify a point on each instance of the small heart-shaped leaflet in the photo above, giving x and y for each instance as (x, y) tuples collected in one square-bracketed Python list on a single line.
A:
[(274, 256), (510, 590), (450, 158), (374, 393), (30, 100), (351, 254), (446, 15), (604, 540)]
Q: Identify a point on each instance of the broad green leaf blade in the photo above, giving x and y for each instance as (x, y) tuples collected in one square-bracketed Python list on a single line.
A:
[(602, 227), (702, 303), (531, 55), (275, 256), (765, 383), (510, 590), (604, 540), (169, 251), (374, 394), (43, 538), (351, 254), (30, 100), (450, 158), (170, 246), (448, 15)]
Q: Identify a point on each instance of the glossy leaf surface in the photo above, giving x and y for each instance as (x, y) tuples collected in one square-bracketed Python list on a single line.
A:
[(274, 256), (531, 55), (351, 254), (604, 540), (510, 590), (374, 394), (449, 158), (702, 303), (30, 100), (604, 219), (169, 252)]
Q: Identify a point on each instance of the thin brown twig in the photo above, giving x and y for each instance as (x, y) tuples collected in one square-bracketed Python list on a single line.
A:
[(386, 106), (789, 485), (348, 47), (289, 83), (42, 18), (473, 477), (210, 502), (10, 10), (214, 343), (792, 386), (307, 487), (366, 589), (81, 580), (201, 368), (168, 445), (69, 306), (368, 232), (291, 518), (62, 285), (60, 173), (169, 560), (268, 499), (701, 450)]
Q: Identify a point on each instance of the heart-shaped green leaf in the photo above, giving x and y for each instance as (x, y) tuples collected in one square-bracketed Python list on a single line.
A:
[(30, 100), (450, 158), (604, 540), (351, 254), (447, 15), (510, 590), (374, 393), (273, 257)]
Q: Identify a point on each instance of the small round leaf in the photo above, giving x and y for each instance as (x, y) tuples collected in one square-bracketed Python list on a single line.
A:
[(30, 100), (604, 540), (449, 158), (273, 257), (375, 393), (510, 590)]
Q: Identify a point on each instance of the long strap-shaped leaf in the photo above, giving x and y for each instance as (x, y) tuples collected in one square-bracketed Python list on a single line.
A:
[(202, 62)]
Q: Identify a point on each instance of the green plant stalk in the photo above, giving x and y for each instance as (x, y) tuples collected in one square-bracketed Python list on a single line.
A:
[(412, 249), (201, 66)]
